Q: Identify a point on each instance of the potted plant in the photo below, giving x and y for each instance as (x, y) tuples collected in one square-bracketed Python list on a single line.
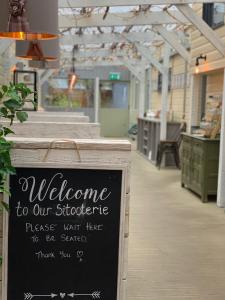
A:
[(12, 100)]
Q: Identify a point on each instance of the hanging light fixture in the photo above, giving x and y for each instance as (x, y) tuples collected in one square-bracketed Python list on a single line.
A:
[(72, 77), (29, 19), (38, 50), (200, 57)]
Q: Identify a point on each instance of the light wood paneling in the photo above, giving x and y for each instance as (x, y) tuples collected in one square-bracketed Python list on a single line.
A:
[(200, 45)]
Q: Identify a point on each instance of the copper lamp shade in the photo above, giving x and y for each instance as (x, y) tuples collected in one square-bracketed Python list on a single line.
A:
[(29, 19), (38, 50), (72, 76), (72, 80)]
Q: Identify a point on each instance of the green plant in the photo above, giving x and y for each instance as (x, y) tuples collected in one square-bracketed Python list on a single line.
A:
[(12, 100)]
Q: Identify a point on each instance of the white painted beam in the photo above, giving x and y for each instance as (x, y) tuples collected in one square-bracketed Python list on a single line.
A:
[(172, 39), (141, 103), (201, 25), (221, 175), (144, 51), (195, 95), (92, 64), (135, 69), (132, 92), (94, 53), (87, 39), (45, 76), (97, 99), (165, 88), (149, 90), (4, 45), (122, 19), (103, 3)]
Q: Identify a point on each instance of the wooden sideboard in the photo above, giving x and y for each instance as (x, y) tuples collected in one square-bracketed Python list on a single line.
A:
[(199, 165)]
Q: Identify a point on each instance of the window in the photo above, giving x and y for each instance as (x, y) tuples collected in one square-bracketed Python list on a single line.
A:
[(114, 94), (58, 95), (213, 14), (30, 79), (160, 80)]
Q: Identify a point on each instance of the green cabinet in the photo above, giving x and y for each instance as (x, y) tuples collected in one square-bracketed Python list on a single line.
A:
[(199, 165)]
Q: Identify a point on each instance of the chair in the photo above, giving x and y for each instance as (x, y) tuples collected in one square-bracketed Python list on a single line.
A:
[(171, 146)]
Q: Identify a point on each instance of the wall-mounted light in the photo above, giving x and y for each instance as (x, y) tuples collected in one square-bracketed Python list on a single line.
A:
[(29, 19), (72, 77), (200, 57)]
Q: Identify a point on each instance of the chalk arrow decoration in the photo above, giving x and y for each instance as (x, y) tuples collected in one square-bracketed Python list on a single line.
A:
[(94, 295), (29, 296)]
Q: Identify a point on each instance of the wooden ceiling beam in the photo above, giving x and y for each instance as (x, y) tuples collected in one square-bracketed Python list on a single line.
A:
[(104, 3), (122, 19)]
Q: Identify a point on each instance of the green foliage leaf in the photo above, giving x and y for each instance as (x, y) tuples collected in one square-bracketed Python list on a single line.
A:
[(22, 116), (7, 131), (12, 104), (4, 88), (12, 100), (3, 111), (5, 205)]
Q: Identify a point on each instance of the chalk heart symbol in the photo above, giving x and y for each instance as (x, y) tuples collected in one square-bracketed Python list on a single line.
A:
[(80, 254), (62, 295)]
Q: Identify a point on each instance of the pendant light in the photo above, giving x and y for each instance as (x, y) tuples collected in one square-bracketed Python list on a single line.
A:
[(72, 77), (29, 19), (38, 50)]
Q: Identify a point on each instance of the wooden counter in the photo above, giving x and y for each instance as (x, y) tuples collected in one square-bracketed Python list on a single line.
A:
[(199, 164), (149, 137)]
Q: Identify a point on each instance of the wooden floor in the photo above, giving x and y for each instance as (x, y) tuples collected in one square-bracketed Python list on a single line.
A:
[(177, 244)]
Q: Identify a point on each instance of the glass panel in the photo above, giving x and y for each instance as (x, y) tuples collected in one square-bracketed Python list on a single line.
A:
[(58, 95), (29, 79), (114, 94), (218, 14)]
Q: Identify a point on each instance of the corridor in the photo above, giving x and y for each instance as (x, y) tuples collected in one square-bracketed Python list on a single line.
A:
[(177, 243)]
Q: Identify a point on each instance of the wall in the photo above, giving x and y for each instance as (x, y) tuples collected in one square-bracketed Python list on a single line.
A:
[(200, 45), (213, 67), (114, 122), (176, 97), (214, 83)]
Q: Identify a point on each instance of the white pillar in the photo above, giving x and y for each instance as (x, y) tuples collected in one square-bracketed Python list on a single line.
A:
[(165, 86), (39, 90), (195, 96), (149, 93), (4, 45), (221, 175), (132, 95), (141, 106), (97, 99), (43, 76)]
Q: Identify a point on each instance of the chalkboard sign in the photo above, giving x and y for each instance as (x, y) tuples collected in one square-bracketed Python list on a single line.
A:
[(64, 234)]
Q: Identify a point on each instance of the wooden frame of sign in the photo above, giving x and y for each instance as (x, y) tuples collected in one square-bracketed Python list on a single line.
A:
[(19, 233)]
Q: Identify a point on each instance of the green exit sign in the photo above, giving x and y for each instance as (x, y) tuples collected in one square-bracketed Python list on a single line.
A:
[(114, 76)]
